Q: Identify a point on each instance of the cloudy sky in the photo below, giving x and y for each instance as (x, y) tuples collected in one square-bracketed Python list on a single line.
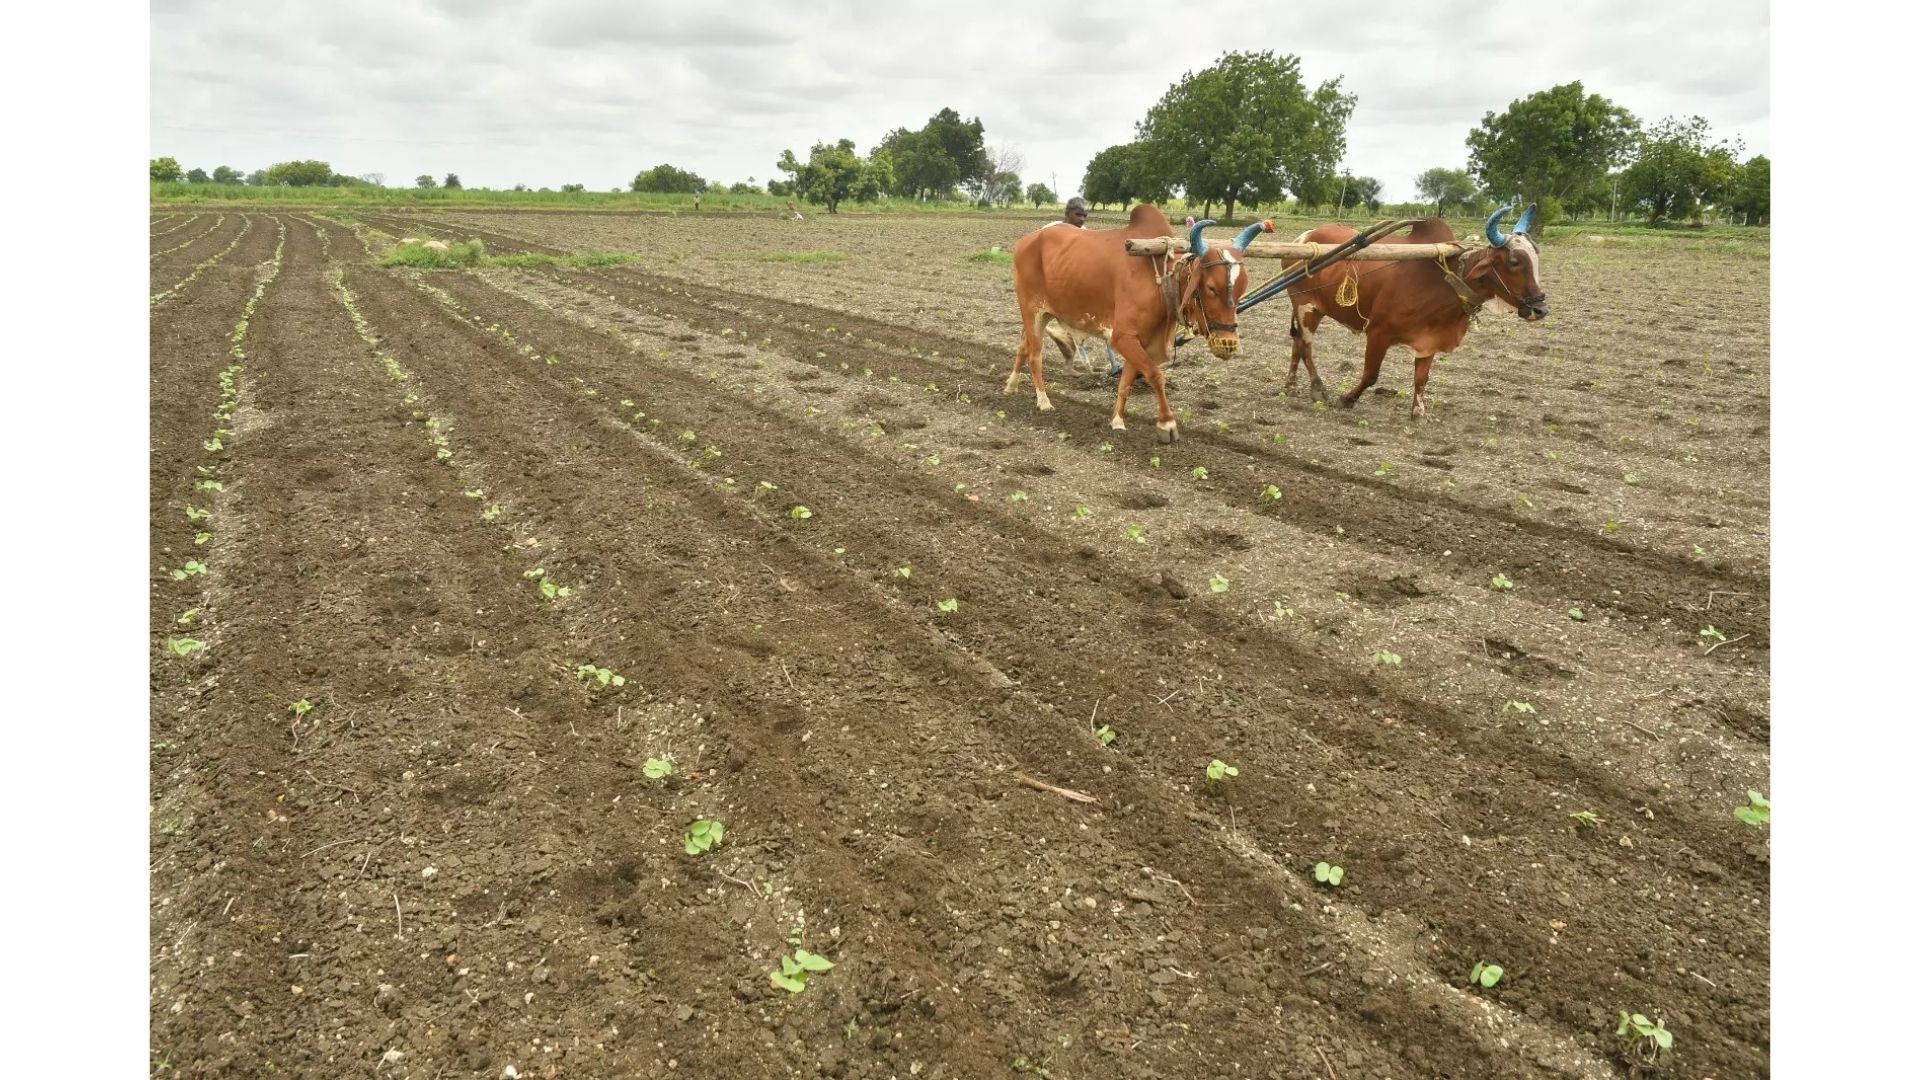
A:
[(547, 92)]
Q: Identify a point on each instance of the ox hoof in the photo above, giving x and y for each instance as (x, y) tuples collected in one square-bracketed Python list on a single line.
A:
[(1117, 424), (1043, 403), (1012, 385), (1169, 432), (1346, 402), (1419, 410), (1320, 392)]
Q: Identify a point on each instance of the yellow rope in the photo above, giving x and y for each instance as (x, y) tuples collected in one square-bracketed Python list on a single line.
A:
[(1348, 294)]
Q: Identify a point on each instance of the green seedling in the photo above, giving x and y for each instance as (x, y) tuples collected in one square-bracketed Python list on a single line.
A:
[(1106, 448), (703, 835), (1218, 583), (301, 707), (1018, 496), (1281, 611), (1632, 478), (184, 646), (213, 445), (1329, 874), (688, 436), (1576, 615), (1199, 472), (554, 592), (476, 493), (1517, 708), (950, 605), (198, 516), (1272, 494), (1586, 819), (1081, 513), (600, 675), (210, 485), (800, 513), (1106, 735), (1485, 974), (1712, 634), (904, 573), (1646, 1039), (201, 538), (491, 513), (657, 768), (189, 570), (794, 969), (1154, 461), (1218, 770), (188, 616), (1136, 534), (1501, 582), (1385, 468), (1383, 658), (1758, 810), (1699, 551)]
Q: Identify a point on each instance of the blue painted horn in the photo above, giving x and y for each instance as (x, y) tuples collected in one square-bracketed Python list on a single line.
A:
[(1196, 242), (1247, 234), (1494, 235), (1526, 219)]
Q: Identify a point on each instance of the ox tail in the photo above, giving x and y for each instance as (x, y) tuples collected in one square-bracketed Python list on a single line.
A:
[(1294, 327)]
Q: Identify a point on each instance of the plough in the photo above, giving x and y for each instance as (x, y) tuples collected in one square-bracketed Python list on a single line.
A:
[(1314, 257)]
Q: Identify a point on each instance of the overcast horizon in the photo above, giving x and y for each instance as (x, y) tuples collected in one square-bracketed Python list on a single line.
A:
[(546, 93)]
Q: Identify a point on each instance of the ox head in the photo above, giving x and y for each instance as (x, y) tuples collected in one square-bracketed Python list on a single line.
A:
[(1215, 284), (1511, 269)]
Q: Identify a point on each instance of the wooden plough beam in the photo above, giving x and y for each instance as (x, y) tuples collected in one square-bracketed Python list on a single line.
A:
[(1177, 245)]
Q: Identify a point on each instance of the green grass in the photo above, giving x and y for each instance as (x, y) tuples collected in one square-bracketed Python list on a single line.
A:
[(991, 255), (592, 258), (465, 253), (801, 256)]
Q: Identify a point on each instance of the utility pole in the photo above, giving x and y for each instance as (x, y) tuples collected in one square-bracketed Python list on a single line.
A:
[(1613, 214)]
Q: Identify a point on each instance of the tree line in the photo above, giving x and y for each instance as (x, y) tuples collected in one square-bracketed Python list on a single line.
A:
[(1245, 133)]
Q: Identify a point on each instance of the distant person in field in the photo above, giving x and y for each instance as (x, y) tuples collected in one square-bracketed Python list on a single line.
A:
[(1075, 216), (794, 210)]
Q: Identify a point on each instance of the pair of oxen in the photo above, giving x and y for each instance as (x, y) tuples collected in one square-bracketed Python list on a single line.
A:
[(1075, 284)]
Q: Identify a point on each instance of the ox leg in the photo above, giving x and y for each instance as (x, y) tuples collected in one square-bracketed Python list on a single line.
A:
[(1293, 360), (1036, 366), (1168, 428), (1376, 352), (1135, 364), (1308, 324), (1422, 365)]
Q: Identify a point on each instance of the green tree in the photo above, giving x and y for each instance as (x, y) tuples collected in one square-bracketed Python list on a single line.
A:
[(1041, 195), (1550, 145), (1113, 176), (1675, 172), (1750, 190), (744, 187), (834, 173), (163, 170), (1443, 187), (300, 174), (947, 152), (1244, 130), (425, 181), (452, 181), (197, 176), (257, 178), (670, 180), (1354, 191), (227, 174), (573, 187)]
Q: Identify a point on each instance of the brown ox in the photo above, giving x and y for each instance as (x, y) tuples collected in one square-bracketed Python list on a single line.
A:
[(1073, 284), (1414, 303)]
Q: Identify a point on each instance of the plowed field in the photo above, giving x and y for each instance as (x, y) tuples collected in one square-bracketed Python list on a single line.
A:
[(856, 597)]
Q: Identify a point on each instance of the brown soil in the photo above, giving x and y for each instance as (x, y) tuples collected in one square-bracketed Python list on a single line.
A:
[(457, 859)]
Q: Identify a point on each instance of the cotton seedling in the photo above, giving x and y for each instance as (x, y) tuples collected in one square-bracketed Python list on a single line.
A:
[(589, 673), (1106, 735), (704, 835), (1646, 1039), (1281, 611), (1199, 472), (198, 516), (1486, 975), (1218, 583), (904, 573), (1272, 494), (491, 513), (1383, 658), (794, 969), (1136, 534), (191, 569), (1587, 819), (950, 605), (1329, 874), (201, 538), (1218, 771), (1712, 634), (1517, 708), (554, 592), (1501, 582), (1018, 496), (184, 646), (1758, 810), (1576, 615), (657, 768), (188, 616), (799, 513), (1080, 513)]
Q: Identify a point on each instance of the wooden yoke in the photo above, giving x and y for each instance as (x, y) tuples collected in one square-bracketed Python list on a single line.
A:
[(1177, 245)]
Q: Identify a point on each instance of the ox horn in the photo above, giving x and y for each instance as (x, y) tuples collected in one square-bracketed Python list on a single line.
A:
[(1247, 234), (1494, 235), (1196, 242), (1526, 219)]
